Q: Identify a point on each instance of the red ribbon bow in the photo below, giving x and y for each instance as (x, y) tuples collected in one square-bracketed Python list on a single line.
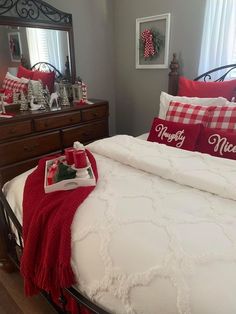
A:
[(147, 38)]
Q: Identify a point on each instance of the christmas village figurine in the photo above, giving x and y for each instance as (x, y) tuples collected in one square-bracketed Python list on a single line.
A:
[(64, 98), (15, 97), (47, 95), (2, 104), (30, 92), (23, 102), (41, 98)]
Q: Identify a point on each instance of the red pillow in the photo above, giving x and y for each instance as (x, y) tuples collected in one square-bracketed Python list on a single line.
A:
[(187, 113), (23, 72), (223, 118), (18, 86), (217, 143), (174, 134), (47, 79), (206, 89)]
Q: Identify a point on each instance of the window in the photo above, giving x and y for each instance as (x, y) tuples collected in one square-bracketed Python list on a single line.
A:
[(219, 35)]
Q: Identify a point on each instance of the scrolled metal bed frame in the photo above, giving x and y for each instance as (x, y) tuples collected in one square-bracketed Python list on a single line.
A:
[(8, 218)]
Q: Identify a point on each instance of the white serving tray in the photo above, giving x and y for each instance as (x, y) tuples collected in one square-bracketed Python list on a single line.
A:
[(70, 183)]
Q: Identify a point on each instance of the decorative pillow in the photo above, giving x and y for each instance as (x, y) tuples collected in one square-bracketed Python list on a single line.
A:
[(206, 89), (217, 143), (16, 85), (165, 100), (186, 113), (23, 72), (12, 77), (178, 135), (47, 79), (223, 118)]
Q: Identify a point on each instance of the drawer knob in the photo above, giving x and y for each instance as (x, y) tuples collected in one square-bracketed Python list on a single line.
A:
[(12, 131), (95, 114)]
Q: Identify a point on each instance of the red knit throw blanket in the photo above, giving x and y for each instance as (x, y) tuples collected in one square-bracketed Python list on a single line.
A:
[(47, 220)]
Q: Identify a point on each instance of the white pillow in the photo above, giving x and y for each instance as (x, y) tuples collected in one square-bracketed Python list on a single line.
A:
[(12, 77), (165, 100)]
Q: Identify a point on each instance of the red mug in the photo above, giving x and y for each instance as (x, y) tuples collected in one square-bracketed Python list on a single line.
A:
[(80, 159), (69, 152)]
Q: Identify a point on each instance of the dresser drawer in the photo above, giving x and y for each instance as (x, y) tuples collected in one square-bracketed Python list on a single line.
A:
[(32, 146), (57, 121), (94, 113), (15, 129), (85, 133)]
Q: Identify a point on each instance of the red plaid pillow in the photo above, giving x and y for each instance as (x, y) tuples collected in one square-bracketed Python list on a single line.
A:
[(14, 85), (188, 114), (223, 118)]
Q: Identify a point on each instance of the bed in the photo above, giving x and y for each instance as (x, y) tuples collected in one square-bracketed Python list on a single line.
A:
[(140, 243)]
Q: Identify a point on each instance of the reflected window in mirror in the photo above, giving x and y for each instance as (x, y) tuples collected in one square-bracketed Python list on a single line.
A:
[(46, 45)]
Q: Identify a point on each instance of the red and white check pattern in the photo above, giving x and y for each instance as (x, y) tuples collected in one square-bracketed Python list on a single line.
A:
[(223, 118), (14, 85), (186, 113)]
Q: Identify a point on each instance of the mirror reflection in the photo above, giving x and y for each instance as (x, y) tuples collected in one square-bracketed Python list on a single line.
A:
[(32, 45)]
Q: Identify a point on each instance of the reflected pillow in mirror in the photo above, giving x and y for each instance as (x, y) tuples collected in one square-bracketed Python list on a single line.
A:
[(14, 84), (191, 88), (179, 135), (217, 143), (47, 79), (23, 72)]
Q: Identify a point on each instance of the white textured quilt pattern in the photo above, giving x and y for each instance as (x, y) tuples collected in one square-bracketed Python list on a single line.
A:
[(158, 234)]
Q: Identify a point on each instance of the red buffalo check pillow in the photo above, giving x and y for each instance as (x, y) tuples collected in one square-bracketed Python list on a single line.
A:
[(223, 118), (187, 113), (217, 143), (16, 85), (174, 134)]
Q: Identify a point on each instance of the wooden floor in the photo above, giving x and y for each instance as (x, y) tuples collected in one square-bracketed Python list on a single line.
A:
[(13, 301)]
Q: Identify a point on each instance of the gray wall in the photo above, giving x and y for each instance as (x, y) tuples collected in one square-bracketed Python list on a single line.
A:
[(138, 91), (94, 47), (4, 53)]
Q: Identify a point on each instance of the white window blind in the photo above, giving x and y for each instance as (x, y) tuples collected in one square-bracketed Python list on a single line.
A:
[(219, 35), (47, 45)]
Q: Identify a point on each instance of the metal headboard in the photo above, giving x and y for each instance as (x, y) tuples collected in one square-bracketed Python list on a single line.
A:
[(207, 75), (47, 67)]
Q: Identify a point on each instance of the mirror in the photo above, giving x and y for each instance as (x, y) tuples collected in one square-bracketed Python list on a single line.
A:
[(33, 31), (33, 45)]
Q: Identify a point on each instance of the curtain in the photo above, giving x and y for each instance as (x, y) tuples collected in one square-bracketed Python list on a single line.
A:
[(47, 45), (219, 35)]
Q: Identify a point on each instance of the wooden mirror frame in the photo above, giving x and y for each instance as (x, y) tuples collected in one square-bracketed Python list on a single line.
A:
[(39, 14)]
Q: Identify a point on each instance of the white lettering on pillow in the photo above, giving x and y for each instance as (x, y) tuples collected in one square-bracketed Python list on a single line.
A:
[(221, 144), (162, 132)]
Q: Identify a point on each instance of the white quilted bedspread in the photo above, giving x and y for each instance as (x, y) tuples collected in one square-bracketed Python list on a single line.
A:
[(158, 234)]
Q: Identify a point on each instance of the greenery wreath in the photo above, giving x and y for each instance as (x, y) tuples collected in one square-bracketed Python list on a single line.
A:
[(158, 41)]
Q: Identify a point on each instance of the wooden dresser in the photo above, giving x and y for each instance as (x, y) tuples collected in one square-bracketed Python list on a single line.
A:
[(28, 136)]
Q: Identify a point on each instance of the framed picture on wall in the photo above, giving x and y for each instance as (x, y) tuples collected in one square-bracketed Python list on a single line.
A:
[(14, 43), (152, 42)]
